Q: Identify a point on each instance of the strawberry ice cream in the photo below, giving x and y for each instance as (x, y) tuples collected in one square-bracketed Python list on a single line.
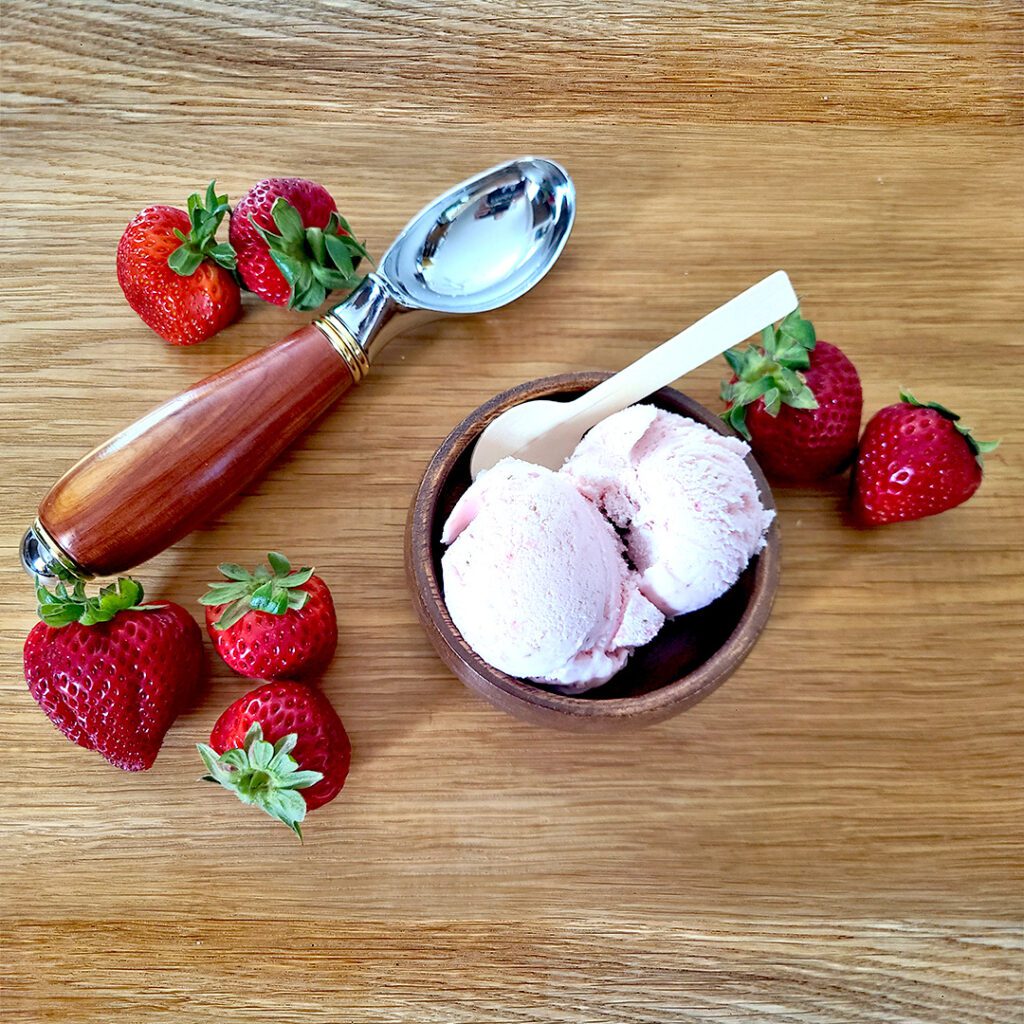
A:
[(536, 580), (684, 496)]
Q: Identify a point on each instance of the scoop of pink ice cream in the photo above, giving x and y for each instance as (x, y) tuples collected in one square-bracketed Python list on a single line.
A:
[(683, 494), (536, 580)]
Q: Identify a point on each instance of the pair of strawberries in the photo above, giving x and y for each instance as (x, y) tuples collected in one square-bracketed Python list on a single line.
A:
[(113, 673), (287, 243), (798, 402)]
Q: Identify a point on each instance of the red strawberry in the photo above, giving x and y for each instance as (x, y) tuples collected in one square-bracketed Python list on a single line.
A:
[(796, 400), (110, 673), (916, 459), (280, 738), (272, 623), (293, 246), (174, 274)]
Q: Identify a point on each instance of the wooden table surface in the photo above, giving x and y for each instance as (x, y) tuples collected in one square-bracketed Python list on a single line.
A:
[(835, 835)]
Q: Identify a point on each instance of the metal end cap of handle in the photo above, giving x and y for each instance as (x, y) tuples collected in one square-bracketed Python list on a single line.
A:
[(42, 556)]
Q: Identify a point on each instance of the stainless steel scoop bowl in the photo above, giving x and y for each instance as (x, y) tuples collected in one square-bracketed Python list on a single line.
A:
[(479, 246), (473, 249)]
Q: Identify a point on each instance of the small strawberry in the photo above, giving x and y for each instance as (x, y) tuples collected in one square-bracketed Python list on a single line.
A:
[(279, 739), (174, 274), (916, 459), (111, 673), (796, 400), (272, 623), (293, 246)]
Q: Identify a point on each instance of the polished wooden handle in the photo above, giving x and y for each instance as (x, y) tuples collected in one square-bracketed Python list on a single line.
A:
[(151, 484)]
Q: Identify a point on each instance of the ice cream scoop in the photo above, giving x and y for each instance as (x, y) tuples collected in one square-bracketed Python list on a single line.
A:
[(475, 248), (683, 494), (536, 581)]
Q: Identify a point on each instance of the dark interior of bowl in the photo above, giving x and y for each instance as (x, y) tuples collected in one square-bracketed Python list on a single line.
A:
[(684, 643)]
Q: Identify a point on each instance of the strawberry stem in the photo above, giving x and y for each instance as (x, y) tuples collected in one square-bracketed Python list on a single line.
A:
[(205, 215), (61, 606), (274, 590), (771, 371), (264, 775), (314, 261)]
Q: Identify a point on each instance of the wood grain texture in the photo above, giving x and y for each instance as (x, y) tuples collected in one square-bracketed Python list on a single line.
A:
[(835, 835)]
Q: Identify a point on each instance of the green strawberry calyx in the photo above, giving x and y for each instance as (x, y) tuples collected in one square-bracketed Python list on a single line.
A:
[(62, 606), (275, 590), (771, 371), (314, 261), (978, 448), (205, 214), (263, 774)]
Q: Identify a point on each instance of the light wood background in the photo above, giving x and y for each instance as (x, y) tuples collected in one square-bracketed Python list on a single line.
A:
[(835, 835)]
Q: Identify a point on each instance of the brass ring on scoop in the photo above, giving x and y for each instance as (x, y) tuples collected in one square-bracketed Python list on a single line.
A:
[(345, 345)]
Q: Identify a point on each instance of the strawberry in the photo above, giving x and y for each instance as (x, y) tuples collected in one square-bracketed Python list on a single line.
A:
[(293, 246), (272, 623), (174, 274), (111, 673), (796, 400), (916, 459), (279, 739)]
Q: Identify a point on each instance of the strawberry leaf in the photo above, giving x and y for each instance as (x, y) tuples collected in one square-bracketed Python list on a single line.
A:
[(185, 260), (794, 328), (313, 260), (280, 565), (60, 607), (274, 590), (296, 579), (339, 253), (287, 220), (265, 776), (736, 417), (770, 372), (205, 215), (224, 256), (803, 399), (268, 598), (232, 613), (735, 359)]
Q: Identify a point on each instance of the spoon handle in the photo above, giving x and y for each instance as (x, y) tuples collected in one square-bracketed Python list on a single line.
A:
[(735, 321), (164, 475)]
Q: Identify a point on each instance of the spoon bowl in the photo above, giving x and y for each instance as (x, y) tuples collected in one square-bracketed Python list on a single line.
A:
[(546, 432), (485, 242)]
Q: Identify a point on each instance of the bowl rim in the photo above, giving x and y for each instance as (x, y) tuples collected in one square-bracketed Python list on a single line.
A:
[(433, 612)]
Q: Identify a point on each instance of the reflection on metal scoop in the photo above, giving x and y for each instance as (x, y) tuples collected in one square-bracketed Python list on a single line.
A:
[(475, 248)]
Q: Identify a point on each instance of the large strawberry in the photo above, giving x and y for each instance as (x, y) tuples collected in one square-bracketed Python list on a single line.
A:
[(281, 747), (796, 400), (173, 272), (111, 673), (272, 623), (293, 246), (916, 459)]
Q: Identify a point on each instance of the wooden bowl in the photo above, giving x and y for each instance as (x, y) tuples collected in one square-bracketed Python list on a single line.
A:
[(689, 658)]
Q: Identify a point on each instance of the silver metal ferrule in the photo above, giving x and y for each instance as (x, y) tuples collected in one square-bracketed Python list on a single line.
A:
[(361, 326), (41, 555)]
